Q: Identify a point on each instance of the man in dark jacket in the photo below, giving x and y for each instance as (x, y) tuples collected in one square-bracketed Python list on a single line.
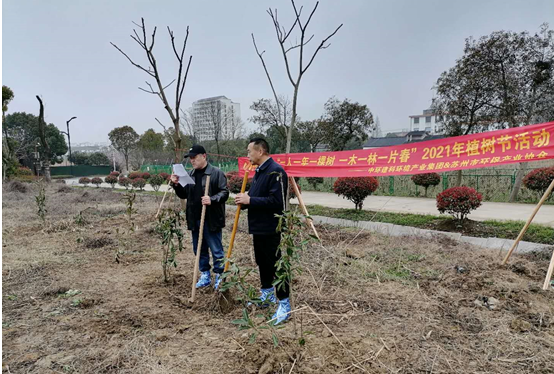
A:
[(264, 200), (218, 194)]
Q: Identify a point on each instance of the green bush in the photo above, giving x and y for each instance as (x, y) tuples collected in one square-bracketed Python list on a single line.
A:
[(84, 180), (111, 180), (356, 189), (156, 181), (96, 181), (459, 201), (139, 183)]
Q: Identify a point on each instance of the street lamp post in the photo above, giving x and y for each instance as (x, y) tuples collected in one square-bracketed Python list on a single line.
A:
[(69, 142)]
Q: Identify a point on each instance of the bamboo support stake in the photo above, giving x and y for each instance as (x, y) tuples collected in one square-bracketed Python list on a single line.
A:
[(549, 273), (199, 246), (235, 224), (303, 206), (524, 229), (162, 203)]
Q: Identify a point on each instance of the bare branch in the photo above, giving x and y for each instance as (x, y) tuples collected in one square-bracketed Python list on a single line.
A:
[(298, 45), (321, 46), (150, 92), (310, 17), (132, 62), (184, 82), (161, 124), (168, 84), (268, 76), (153, 38), (281, 43)]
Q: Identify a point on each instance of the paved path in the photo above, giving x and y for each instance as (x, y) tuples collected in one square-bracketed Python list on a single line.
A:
[(488, 211), (497, 211)]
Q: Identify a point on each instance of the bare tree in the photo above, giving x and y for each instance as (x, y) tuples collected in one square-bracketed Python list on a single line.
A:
[(44, 143), (152, 71), (283, 35), (234, 129), (189, 126)]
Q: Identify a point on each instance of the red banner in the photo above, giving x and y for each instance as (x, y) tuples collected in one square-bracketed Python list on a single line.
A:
[(520, 144)]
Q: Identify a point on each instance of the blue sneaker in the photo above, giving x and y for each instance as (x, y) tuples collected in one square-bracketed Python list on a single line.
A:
[(267, 297), (217, 282), (205, 280), (282, 313)]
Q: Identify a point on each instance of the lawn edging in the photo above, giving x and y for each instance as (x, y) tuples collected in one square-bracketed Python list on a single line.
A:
[(397, 230)]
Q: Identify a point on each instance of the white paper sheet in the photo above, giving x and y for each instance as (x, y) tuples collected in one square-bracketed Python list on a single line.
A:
[(184, 177)]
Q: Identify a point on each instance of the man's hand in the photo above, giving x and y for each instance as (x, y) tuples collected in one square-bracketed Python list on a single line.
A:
[(242, 198), (206, 200), (174, 179)]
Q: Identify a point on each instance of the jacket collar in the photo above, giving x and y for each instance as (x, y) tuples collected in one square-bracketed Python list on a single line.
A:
[(264, 165), (208, 171)]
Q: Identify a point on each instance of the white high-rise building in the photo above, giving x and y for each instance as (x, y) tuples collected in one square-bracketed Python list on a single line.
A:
[(215, 114), (429, 122)]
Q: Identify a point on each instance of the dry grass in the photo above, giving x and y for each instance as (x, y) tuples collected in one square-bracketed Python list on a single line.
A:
[(371, 303)]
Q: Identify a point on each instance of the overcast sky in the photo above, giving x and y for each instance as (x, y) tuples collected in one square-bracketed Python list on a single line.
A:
[(387, 55)]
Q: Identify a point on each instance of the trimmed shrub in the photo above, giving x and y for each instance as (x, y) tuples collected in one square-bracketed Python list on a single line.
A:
[(459, 201), (135, 175), (138, 183), (111, 180), (96, 181), (165, 176), (234, 182), (115, 173), (146, 176), (22, 170), (156, 181), (314, 181), (124, 182), (426, 180), (356, 189), (84, 180), (539, 179)]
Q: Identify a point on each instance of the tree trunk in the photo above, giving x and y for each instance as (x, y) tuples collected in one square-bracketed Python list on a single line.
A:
[(46, 169), (426, 188), (45, 146), (127, 162), (517, 184), (289, 133), (458, 178), (178, 158)]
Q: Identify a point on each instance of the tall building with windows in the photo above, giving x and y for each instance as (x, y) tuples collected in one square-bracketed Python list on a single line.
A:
[(428, 122), (215, 115)]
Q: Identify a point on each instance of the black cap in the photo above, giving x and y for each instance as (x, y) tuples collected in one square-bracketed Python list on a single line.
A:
[(195, 150)]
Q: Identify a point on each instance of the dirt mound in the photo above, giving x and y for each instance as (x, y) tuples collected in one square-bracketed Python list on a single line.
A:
[(16, 186), (65, 189), (98, 242)]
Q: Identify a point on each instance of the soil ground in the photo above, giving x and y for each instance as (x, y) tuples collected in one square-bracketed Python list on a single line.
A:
[(378, 304)]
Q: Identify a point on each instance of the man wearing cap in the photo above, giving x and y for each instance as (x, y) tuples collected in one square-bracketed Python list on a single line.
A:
[(264, 201), (218, 193)]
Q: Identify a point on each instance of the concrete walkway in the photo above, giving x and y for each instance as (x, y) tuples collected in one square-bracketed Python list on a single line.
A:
[(393, 204), (487, 211)]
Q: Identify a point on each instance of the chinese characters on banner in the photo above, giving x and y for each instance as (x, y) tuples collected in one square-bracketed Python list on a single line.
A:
[(520, 144)]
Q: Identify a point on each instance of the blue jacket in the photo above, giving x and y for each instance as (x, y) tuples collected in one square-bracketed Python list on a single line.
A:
[(266, 198)]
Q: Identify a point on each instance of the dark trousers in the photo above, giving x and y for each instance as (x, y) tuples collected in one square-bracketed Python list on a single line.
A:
[(266, 250)]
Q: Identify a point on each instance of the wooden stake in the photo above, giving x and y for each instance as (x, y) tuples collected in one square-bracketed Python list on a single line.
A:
[(235, 224), (524, 229), (303, 206), (549, 273), (199, 246), (162, 203)]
